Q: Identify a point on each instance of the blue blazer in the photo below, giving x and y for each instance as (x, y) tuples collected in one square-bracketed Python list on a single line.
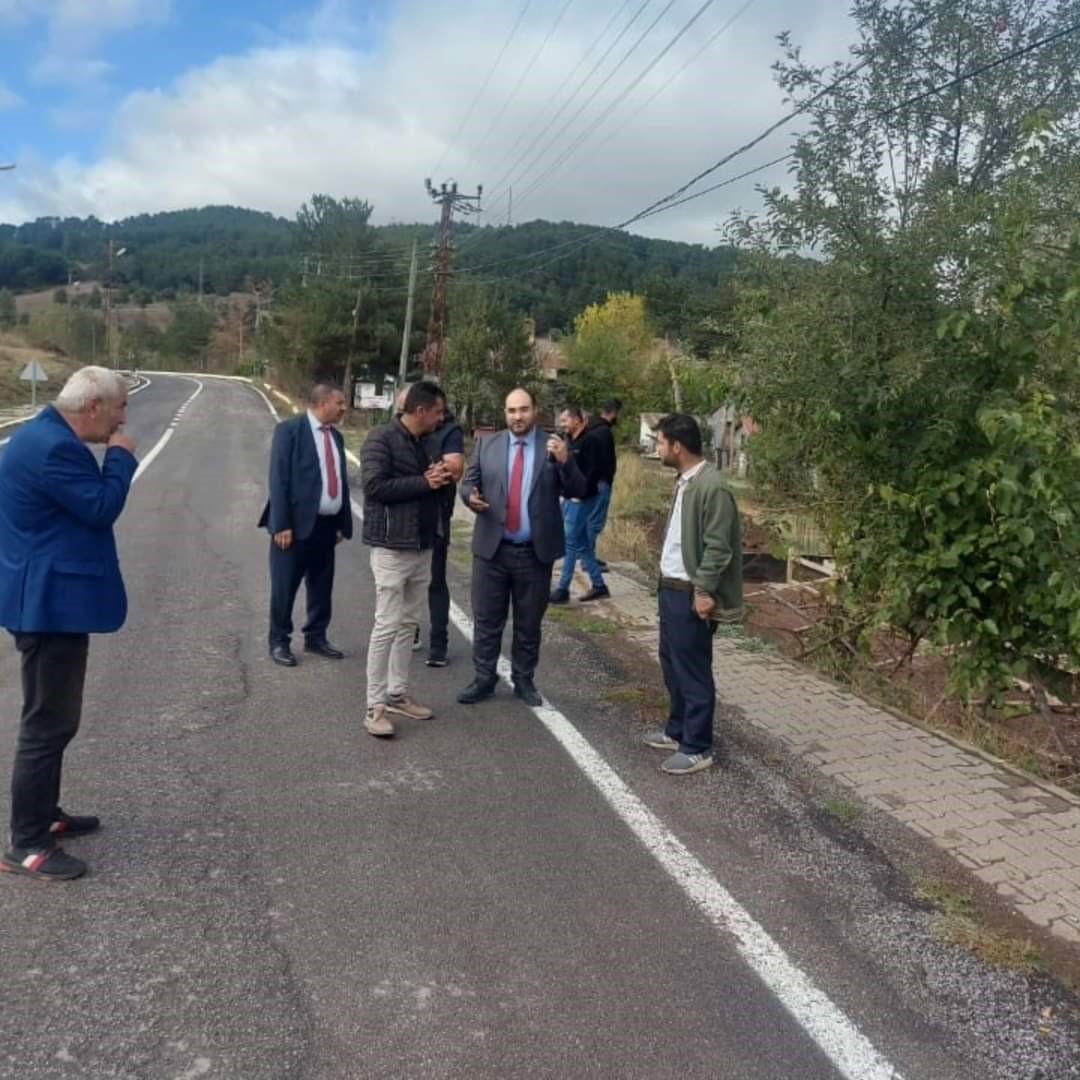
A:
[(296, 481), (59, 572)]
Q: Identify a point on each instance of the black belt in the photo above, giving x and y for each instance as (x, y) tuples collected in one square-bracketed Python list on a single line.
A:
[(518, 543), (676, 584)]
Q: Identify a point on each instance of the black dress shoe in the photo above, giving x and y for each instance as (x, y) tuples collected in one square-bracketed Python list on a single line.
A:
[(477, 690), (559, 596), (282, 654), (600, 593), (324, 648), (526, 690)]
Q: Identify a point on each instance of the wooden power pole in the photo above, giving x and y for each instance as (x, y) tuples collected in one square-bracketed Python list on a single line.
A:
[(406, 333), (449, 198)]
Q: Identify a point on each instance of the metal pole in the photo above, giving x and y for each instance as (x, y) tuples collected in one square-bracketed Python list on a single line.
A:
[(403, 363), (108, 309)]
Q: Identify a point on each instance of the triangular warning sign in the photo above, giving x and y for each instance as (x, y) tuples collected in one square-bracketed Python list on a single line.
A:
[(34, 372)]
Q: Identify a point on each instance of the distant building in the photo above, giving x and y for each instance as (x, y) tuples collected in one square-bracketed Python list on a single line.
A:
[(730, 430), (550, 359)]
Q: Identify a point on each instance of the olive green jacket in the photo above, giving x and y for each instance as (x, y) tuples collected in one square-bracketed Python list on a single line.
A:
[(712, 541)]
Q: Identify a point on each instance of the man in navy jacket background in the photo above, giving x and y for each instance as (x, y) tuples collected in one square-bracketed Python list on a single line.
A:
[(59, 582), (308, 513)]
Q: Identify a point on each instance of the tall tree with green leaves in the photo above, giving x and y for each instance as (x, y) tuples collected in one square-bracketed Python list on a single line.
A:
[(895, 372), (8, 316)]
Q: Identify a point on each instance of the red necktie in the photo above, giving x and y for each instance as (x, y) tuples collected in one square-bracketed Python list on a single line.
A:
[(331, 464), (513, 503)]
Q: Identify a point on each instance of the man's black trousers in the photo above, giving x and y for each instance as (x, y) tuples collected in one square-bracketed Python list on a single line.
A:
[(686, 650), (310, 560), (53, 674), (514, 574)]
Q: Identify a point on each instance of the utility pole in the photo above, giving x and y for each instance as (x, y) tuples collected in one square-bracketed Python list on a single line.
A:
[(449, 198), (351, 359), (403, 363), (200, 280), (108, 308), (510, 207), (110, 344)]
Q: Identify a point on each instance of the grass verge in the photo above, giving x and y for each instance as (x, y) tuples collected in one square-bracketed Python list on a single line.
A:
[(956, 922)]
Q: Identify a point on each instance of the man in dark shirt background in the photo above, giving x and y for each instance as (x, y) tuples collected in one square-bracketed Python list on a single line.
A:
[(602, 429), (446, 444), (589, 455)]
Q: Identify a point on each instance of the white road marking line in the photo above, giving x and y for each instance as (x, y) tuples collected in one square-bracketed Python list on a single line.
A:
[(854, 1056), (838, 1038), (160, 445), (269, 403)]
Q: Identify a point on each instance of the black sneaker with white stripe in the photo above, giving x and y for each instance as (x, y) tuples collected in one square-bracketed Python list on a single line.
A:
[(46, 864)]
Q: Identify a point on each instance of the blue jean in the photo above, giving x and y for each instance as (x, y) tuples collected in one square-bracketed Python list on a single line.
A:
[(599, 511), (686, 652), (579, 543)]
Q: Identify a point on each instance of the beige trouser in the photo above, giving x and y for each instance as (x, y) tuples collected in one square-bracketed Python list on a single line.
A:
[(401, 583)]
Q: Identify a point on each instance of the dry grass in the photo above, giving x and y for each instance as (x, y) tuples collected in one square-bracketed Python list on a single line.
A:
[(15, 354), (638, 507), (956, 922)]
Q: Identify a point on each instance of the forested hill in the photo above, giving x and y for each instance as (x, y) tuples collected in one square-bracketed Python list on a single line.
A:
[(548, 270)]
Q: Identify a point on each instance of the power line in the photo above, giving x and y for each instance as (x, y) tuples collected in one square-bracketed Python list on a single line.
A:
[(672, 200), (669, 201), (484, 85), (723, 28), (619, 99), (611, 75), (521, 78), (526, 128)]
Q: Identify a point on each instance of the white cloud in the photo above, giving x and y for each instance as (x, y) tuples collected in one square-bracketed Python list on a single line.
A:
[(77, 28), (268, 128)]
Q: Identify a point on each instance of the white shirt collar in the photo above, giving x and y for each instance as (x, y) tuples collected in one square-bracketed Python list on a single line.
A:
[(686, 477)]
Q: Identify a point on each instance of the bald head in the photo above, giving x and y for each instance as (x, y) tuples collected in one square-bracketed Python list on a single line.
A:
[(520, 411)]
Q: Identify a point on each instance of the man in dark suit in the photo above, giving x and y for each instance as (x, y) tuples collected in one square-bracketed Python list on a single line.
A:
[(59, 582), (513, 485), (308, 514)]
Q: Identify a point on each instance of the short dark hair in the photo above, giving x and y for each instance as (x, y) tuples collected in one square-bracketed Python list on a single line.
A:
[(612, 405), (574, 411), (423, 395), (322, 390), (683, 429)]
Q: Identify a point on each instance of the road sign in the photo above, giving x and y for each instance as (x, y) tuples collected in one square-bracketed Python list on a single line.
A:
[(33, 373)]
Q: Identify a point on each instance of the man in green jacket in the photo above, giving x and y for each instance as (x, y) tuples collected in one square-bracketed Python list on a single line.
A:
[(700, 586)]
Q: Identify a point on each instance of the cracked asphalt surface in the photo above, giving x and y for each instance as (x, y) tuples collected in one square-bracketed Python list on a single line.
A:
[(277, 895)]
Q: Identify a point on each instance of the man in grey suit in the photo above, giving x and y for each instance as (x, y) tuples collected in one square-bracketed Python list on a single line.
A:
[(513, 485)]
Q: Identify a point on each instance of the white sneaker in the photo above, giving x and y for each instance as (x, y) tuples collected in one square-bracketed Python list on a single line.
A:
[(411, 710), (378, 724)]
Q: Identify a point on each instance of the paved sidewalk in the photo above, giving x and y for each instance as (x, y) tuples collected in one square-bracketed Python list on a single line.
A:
[(1015, 835)]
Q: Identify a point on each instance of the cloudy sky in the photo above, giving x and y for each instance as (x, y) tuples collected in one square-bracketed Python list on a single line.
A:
[(116, 107)]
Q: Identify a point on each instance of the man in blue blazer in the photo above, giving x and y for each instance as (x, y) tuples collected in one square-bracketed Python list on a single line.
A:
[(513, 485), (59, 582), (308, 514)]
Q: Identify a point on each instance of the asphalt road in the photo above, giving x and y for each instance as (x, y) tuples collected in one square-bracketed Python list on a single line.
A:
[(275, 894)]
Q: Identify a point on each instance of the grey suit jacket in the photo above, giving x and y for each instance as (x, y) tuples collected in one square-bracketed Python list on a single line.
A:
[(487, 472)]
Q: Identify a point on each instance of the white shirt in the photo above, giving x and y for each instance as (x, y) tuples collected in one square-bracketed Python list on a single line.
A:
[(327, 507), (671, 560)]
